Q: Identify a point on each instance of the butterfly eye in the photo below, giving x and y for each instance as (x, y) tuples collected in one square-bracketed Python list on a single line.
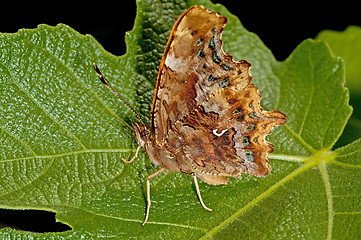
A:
[(144, 134)]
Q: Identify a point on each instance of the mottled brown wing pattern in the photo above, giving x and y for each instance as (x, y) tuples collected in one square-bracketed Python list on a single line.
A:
[(206, 113), (184, 64), (234, 141)]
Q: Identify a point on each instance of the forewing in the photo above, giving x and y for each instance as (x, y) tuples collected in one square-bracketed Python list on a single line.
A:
[(187, 60)]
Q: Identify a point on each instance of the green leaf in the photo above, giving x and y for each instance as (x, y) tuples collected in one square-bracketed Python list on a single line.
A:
[(345, 44), (63, 135)]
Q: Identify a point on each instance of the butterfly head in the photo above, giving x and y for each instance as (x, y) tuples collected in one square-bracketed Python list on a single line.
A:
[(142, 133)]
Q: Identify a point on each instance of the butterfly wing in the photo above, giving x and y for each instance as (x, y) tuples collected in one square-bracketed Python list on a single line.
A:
[(205, 111), (226, 135), (183, 65)]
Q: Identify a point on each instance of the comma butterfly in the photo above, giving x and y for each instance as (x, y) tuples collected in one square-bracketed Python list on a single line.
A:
[(206, 115)]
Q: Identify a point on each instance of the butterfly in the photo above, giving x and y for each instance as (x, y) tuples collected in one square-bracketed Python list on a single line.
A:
[(206, 118)]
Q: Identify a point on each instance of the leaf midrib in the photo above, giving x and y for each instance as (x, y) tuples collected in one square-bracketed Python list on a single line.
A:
[(116, 150), (309, 103), (324, 175)]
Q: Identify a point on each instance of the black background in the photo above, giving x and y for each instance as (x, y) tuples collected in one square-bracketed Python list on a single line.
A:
[(281, 26)]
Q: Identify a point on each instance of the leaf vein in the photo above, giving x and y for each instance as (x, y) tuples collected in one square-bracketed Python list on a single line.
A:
[(19, 140), (348, 165), (258, 199), (287, 158), (71, 153), (299, 138), (326, 181), (311, 95), (50, 116)]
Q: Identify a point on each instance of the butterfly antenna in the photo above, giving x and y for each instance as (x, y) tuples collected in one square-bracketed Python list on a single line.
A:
[(116, 93)]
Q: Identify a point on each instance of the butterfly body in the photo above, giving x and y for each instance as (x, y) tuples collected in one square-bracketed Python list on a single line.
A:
[(158, 155)]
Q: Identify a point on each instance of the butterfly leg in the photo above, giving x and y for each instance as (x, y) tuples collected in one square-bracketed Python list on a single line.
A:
[(199, 194), (134, 157), (148, 192)]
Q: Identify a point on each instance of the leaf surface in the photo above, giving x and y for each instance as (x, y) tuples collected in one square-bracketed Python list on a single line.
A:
[(345, 44)]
